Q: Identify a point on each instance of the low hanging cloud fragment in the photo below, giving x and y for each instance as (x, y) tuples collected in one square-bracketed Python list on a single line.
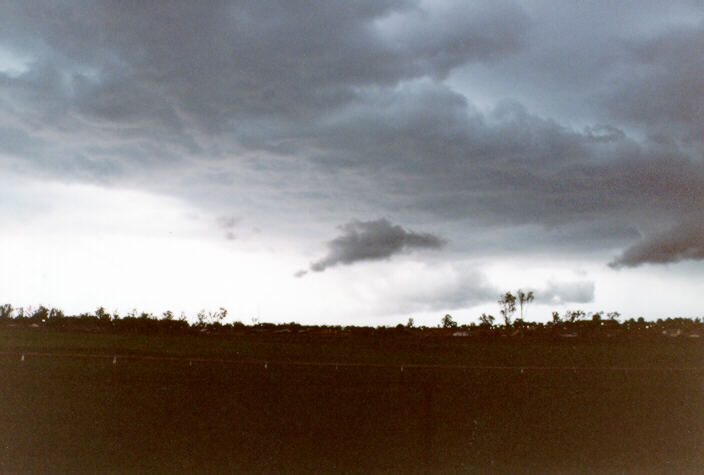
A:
[(684, 241), (228, 224), (580, 291), (371, 241)]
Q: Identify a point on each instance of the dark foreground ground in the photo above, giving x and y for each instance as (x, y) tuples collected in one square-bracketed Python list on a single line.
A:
[(168, 405)]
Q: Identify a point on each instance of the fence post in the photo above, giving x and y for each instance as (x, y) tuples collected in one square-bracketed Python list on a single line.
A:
[(428, 428)]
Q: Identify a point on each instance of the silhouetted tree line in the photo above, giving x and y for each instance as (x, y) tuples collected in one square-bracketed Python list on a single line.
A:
[(569, 324)]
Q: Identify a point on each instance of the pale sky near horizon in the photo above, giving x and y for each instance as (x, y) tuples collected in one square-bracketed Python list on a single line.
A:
[(352, 162)]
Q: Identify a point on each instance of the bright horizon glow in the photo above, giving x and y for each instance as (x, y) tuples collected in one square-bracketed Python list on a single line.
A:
[(153, 254)]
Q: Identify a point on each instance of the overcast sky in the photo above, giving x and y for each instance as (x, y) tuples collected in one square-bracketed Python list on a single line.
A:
[(352, 162)]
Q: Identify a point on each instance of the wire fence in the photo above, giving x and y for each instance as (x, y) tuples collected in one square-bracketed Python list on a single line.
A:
[(266, 364)]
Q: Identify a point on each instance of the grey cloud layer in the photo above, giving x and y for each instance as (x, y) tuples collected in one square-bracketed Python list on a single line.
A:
[(667, 94), (402, 108), (372, 241), (180, 65)]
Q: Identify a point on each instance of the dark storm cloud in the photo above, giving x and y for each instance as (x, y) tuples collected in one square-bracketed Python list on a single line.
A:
[(372, 241), (667, 93), (132, 91), (684, 241), (178, 65), (505, 164), (397, 108)]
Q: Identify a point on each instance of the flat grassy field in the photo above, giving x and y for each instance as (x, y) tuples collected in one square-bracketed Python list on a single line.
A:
[(249, 403)]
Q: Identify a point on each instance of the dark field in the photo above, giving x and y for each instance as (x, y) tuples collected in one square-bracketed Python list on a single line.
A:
[(169, 405)]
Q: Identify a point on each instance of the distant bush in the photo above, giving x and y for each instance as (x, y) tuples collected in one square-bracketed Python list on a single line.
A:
[(573, 323)]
